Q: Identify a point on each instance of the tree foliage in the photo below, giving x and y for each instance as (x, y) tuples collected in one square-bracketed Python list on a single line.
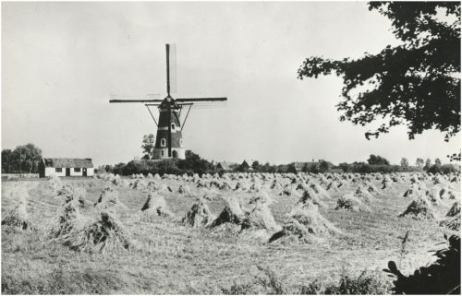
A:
[(419, 162), (438, 161), (443, 169), (7, 160), (365, 168), (313, 168), (148, 145), (291, 168), (428, 163), (404, 162), (194, 163), (377, 160), (323, 166), (441, 277), (256, 166), (243, 167), (416, 83), (454, 157), (24, 158)]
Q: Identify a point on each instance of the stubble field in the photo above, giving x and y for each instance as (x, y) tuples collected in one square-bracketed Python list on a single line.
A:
[(168, 257)]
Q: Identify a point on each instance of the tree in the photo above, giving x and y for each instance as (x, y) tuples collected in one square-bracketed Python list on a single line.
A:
[(377, 160), (244, 167), (194, 163), (291, 168), (25, 158), (148, 146), (256, 166), (404, 162), (7, 160), (437, 161), (345, 167), (428, 164), (323, 166), (314, 168), (416, 83), (271, 168), (419, 162)]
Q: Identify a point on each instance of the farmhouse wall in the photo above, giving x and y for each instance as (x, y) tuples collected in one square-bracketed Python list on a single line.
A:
[(75, 166), (52, 171), (76, 174)]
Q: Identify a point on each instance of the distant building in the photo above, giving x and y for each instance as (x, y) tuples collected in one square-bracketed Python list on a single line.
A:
[(300, 165), (224, 166), (66, 167)]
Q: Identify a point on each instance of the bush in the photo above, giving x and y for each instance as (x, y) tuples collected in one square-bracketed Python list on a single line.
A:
[(364, 168), (441, 277), (443, 169), (192, 164), (365, 284), (270, 283), (377, 160)]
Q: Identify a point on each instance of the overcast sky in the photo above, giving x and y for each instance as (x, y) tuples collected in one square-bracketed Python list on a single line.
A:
[(60, 62)]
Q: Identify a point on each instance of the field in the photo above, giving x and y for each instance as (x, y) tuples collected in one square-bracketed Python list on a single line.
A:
[(169, 257)]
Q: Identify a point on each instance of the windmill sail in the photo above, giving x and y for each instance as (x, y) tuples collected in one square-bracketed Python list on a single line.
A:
[(136, 101), (169, 141), (116, 98), (193, 100), (171, 68)]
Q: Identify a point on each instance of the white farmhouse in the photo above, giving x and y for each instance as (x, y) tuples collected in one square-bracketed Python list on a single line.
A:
[(66, 167)]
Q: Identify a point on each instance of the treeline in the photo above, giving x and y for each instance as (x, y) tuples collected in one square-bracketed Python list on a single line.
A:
[(262, 168), (364, 168), (23, 159), (194, 164), (442, 169), (321, 166), (378, 164)]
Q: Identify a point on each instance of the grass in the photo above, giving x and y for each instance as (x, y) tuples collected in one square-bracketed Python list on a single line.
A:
[(174, 259), (366, 283)]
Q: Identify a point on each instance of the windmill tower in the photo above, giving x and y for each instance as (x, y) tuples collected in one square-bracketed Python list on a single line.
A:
[(169, 141)]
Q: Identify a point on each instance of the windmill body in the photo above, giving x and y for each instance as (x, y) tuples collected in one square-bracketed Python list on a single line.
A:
[(169, 125), (169, 140)]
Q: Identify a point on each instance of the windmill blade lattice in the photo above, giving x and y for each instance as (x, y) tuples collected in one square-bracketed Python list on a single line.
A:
[(171, 68), (169, 141)]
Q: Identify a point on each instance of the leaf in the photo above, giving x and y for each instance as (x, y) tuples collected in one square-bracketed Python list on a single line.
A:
[(417, 83)]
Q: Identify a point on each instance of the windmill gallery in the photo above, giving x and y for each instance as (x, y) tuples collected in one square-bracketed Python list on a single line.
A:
[(169, 141)]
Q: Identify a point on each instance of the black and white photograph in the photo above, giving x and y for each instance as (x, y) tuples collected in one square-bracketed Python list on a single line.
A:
[(240, 147)]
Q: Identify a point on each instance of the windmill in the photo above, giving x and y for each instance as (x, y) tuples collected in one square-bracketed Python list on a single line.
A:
[(169, 141)]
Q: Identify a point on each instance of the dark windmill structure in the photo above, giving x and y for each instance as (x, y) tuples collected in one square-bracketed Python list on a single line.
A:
[(169, 140)]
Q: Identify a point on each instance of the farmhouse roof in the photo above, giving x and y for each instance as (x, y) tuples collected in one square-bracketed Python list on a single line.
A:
[(224, 165), (68, 162)]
